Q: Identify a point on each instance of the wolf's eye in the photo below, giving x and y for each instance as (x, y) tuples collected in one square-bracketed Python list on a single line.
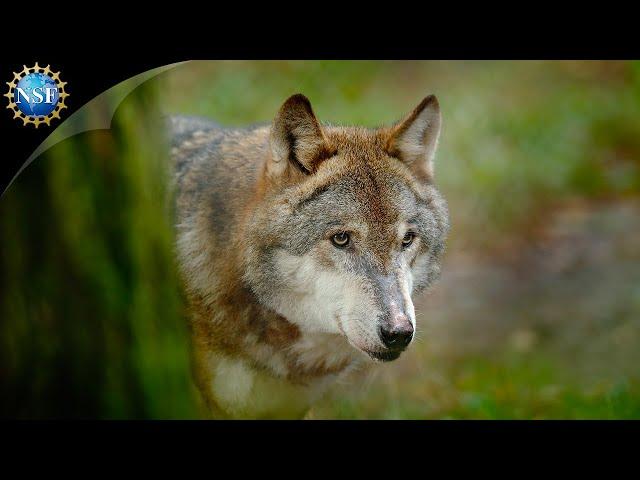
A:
[(340, 240), (408, 239)]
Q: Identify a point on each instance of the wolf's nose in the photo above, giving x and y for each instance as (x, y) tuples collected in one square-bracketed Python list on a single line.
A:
[(397, 337)]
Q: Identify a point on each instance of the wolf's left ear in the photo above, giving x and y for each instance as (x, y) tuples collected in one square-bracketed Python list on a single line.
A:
[(414, 140), (297, 141)]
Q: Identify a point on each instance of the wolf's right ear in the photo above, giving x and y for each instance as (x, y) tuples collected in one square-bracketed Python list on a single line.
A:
[(297, 140), (414, 140)]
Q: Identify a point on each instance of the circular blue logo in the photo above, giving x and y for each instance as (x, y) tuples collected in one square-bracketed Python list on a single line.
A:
[(36, 95)]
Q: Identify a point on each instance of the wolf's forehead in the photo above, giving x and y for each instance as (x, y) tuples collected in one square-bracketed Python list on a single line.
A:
[(363, 194), (358, 142)]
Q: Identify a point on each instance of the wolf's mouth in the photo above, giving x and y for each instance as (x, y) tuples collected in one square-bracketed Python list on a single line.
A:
[(385, 356), (379, 356)]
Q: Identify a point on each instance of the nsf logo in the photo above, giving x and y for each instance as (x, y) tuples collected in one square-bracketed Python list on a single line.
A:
[(36, 95)]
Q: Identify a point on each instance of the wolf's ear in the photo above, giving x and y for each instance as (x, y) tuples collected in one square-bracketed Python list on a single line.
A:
[(414, 140), (297, 140)]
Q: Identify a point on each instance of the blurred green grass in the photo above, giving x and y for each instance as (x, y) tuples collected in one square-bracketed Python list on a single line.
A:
[(508, 387), (91, 310)]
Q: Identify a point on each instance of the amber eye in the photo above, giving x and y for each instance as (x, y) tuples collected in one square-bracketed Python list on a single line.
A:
[(340, 240), (408, 239)]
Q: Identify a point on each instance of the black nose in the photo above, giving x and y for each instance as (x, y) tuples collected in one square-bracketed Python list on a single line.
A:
[(398, 337)]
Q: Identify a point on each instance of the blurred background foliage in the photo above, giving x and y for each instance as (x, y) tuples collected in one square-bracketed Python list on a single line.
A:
[(90, 305), (537, 314)]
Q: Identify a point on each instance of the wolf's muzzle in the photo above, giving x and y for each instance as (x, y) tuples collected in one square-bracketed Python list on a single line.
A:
[(395, 329)]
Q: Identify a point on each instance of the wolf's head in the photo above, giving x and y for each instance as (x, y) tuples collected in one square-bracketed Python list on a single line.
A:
[(348, 225)]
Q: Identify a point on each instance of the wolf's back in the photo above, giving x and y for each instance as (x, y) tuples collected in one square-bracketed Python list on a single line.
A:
[(181, 127)]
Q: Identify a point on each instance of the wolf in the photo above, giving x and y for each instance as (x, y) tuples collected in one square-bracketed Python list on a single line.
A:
[(301, 245)]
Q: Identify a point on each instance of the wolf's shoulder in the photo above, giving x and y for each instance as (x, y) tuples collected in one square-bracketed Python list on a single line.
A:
[(204, 152), (198, 141)]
